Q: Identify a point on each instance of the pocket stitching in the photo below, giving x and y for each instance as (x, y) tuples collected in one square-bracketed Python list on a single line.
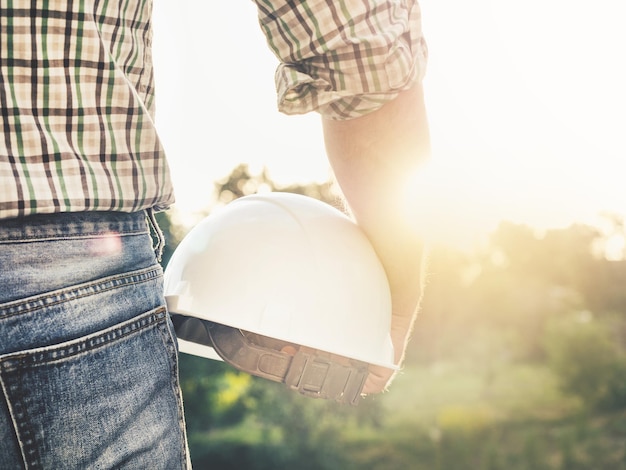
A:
[(58, 352), (78, 291)]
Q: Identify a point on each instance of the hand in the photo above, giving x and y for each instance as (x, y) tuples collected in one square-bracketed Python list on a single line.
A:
[(378, 380)]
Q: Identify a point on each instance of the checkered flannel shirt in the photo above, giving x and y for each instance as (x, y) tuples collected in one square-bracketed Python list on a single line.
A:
[(76, 90)]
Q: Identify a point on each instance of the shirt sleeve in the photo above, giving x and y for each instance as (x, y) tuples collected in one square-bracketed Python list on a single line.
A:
[(343, 58)]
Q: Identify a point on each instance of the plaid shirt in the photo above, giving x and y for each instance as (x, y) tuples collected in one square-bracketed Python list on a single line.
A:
[(76, 90)]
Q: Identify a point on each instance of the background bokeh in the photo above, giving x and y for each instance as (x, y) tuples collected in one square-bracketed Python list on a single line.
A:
[(517, 361)]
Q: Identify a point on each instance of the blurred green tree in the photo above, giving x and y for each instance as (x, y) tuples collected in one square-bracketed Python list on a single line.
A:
[(517, 300), (587, 361)]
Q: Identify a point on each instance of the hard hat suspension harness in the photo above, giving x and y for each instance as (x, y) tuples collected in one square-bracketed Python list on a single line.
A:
[(312, 373)]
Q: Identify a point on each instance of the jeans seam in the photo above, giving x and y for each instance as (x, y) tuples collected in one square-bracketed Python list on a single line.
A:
[(13, 413), (169, 338), (79, 291), (47, 356), (82, 236)]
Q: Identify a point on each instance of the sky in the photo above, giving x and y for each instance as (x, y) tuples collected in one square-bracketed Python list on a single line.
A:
[(526, 103)]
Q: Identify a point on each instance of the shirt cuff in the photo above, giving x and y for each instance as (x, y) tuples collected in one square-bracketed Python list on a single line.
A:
[(349, 68)]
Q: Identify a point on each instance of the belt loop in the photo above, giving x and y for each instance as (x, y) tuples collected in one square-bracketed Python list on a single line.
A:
[(160, 238)]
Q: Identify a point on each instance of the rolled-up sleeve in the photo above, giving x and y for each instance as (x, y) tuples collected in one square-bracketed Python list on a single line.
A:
[(343, 58)]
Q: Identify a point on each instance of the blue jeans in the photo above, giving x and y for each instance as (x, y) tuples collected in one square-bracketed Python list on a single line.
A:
[(88, 357)]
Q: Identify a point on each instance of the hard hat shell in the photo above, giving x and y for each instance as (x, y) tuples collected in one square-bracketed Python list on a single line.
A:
[(288, 267)]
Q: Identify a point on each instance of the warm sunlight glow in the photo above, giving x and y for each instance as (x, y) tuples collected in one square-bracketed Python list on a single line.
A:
[(523, 203), (525, 103), (444, 207)]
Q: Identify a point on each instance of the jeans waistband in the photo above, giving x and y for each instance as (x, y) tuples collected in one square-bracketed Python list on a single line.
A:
[(72, 225)]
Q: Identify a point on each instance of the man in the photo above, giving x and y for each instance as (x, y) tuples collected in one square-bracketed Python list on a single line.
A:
[(88, 364)]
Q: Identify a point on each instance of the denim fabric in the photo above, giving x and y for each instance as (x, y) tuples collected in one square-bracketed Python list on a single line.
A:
[(88, 358)]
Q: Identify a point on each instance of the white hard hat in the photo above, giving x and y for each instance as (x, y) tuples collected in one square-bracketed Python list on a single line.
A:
[(286, 267)]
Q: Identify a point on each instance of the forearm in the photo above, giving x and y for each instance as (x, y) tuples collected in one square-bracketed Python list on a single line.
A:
[(373, 158)]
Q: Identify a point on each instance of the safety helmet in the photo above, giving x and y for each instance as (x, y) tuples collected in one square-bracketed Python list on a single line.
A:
[(277, 269)]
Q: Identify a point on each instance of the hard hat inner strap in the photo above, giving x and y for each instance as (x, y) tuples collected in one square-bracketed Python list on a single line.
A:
[(312, 373), (238, 351)]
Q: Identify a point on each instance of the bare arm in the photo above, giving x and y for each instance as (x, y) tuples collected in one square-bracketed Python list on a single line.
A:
[(372, 157)]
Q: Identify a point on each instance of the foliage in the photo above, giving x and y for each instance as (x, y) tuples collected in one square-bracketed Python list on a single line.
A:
[(587, 361), (241, 182), (517, 362), (572, 443), (215, 394)]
